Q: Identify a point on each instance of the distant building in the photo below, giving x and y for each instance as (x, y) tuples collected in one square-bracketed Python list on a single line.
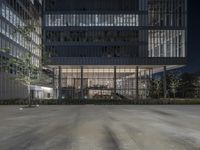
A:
[(110, 48), (15, 14)]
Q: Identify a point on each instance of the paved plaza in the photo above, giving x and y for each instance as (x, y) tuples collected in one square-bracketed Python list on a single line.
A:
[(96, 127)]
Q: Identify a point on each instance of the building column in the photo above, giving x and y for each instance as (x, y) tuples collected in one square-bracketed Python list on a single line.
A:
[(53, 79), (54, 85), (82, 93), (145, 85), (59, 82), (149, 82), (132, 87), (150, 74), (164, 82), (115, 84), (137, 85)]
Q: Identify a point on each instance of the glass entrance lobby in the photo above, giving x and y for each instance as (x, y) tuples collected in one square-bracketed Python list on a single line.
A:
[(102, 82)]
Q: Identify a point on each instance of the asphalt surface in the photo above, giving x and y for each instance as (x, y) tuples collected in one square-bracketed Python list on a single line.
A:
[(91, 127)]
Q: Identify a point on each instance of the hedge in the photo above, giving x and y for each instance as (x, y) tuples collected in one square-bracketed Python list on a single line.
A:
[(103, 102)]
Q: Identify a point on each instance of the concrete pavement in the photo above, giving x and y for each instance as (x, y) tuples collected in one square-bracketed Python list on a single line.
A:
[(91, 127)]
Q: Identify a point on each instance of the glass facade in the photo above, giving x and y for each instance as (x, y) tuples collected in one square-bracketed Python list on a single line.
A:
[(153, 28), (122, 33), (9, 27), (98, 82), (166, 43), (91, 20), (94, 5), (15, 17), (169, 16), (167, 13)]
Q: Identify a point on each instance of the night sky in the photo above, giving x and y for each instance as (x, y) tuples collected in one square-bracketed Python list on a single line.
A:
[(193, 64)]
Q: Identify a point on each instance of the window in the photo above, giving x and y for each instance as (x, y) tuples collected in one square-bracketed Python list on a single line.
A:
[(3, 10), (92, 20), (166, 43)]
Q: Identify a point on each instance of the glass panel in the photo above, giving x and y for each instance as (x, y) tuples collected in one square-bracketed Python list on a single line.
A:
[(166, 43), (92, 20)]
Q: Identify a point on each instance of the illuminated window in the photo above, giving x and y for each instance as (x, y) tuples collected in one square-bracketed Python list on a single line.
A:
[(92, 20)]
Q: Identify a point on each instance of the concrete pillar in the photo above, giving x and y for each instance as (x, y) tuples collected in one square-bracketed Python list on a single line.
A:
[(150, 76), (59, 82), (132, 87), (54, 84), (74, 91), (137, 85), (53, 79), (82, 92), (115, 82), (149, 80), (164, 82), (152, 73), (146, 78)]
